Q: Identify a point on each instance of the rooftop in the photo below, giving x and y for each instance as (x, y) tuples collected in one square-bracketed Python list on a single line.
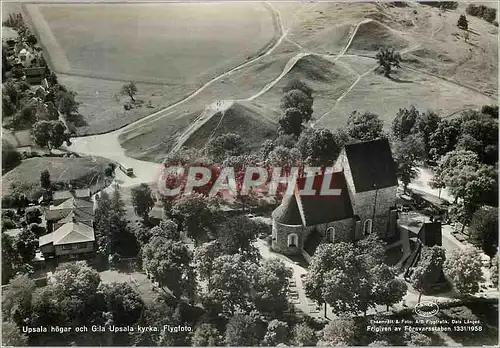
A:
[(69, 233)]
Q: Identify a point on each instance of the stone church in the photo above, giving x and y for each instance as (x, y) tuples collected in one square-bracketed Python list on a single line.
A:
[(365, 174)]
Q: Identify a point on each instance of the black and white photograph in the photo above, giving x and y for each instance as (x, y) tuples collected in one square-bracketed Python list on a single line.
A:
[(249, 173)]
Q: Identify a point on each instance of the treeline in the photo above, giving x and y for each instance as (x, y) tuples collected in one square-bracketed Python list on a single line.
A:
[(447, 5), (481, 11)]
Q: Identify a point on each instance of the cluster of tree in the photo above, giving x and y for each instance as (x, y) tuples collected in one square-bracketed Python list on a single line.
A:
[(296, 107), (428, 270), (489, 14), (463, 268), (445, 5), (353, 278), (113, 236), (74, 297), (471, 182), (483, 230), (50, 134)]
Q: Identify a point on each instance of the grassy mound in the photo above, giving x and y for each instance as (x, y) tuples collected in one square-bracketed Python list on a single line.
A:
[(83, 171), (373, 35), (328, 80), (248, 120)]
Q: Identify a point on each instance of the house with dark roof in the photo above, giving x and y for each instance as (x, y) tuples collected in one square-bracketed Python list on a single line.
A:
[(364, 184)]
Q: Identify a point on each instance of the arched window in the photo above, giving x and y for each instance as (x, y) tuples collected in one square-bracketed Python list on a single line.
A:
[(330, 234), (292, 240), (367, 228)]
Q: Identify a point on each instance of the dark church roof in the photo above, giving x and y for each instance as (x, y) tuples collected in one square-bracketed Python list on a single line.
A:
[(288, 212), (320, 209), (372, 165)]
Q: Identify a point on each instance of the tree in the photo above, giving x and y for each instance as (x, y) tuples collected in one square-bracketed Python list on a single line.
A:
[(417, 339), (204, 257), (206, 335), (26, 245), (129, 89), (388, 290), (123, 302), (16, 299), (445, 137), (490, 110), (304, 336), (387, 59), (50, 134), (11, 158), (142, 200), (242, 330), (197, 215), (282, 156), (463, 23), (407, 154), (339, 332), (291, 122), (297, 84), (299, 100), (428, 269), (45, 180), (405, 122), (277, 333), (33, 215), (232, 279), (426, 125), (236, 236), (464, 269), (336, 272), (12, 336), (271, 287), (364, 126), (483, 230), (318, 147), (169, 263), (494, 271), (223, 146), (66, 103), (10, 258)]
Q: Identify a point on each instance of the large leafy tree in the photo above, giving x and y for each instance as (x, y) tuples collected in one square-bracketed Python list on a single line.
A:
[(10, 156), (464, 269), (26, 245), (318, 147), (123, 302), (169, 262), (291, 122), (339, 277), (66, 103), (387, 288), (364, 126), (232, 279), (339, 332), (407, 154), (129, 89), (304, 336), (16, 299), (427, 124), (278, 332), (12, 336), (50, 134), (296, 84), (204, 257), (223, 146), (142, 200), (444, 138), (428, 269), (197, 215), (45, 180), (206, 335), (271, 287), (483, 230), (297, 99), (236, 236), (404, 123), (243, 330)]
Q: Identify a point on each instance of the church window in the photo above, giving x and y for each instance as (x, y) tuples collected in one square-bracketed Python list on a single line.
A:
[(330, 232), (367, 228), (292, 240)]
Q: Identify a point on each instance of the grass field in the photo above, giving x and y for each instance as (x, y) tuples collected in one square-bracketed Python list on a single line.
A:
[(62, 169), (171, 43)]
